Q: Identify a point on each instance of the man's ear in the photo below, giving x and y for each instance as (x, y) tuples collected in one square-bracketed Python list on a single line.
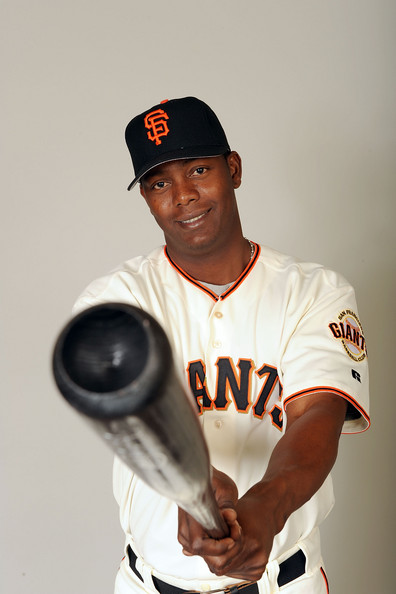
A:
[(235, 166), (141, 190)]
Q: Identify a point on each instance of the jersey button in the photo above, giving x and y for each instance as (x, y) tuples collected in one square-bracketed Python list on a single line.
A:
[(218, 424), (205, 587), (218, 314), (217, 344)]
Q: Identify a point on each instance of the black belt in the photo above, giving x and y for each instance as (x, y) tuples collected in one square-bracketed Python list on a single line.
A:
[(289, 570)]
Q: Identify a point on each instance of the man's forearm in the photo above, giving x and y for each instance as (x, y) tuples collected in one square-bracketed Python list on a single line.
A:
[(303, 457), (298, 466)]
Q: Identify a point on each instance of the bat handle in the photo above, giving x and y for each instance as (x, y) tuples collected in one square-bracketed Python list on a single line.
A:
[(213, 522)]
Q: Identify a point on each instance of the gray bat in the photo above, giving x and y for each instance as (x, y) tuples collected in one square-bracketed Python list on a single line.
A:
[(113, 363)]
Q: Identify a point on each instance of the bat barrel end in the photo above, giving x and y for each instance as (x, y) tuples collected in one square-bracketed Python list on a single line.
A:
[(110, 359)]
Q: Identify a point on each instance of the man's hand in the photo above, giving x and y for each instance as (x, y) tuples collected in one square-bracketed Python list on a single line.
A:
[(298, 466), (194, 539), (244, 554)]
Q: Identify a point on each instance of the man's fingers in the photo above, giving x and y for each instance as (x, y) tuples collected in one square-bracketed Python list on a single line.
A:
[(208, 547)]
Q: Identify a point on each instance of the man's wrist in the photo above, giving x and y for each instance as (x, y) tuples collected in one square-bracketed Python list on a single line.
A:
[(277, 499)]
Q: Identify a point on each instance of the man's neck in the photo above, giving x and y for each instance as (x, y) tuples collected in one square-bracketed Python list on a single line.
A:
[(217, 267)]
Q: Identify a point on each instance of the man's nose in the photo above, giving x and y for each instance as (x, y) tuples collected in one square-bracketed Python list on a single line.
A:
[(184, 192)]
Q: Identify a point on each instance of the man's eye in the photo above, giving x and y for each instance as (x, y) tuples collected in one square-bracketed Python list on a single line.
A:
[(158, 185), (199, 170)]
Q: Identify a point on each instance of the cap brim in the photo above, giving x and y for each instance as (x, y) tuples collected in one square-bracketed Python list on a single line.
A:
[(184, 153)]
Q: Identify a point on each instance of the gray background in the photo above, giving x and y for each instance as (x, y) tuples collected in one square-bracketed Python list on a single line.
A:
[(306, 92)]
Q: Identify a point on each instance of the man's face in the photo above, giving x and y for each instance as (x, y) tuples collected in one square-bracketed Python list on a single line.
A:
[(193, 201)]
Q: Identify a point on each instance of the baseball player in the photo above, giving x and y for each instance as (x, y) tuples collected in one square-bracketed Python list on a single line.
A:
[(275, 357)]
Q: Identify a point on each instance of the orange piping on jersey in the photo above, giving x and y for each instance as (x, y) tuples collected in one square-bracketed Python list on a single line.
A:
[(325, 579), (190, 278), (211, 294), (245, 273), (332, 391)]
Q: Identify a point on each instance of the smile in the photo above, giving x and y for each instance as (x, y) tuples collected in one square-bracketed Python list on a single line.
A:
[(194, 219)]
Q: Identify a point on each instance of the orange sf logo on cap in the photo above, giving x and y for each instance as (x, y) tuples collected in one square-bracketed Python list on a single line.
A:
[(155, 122)]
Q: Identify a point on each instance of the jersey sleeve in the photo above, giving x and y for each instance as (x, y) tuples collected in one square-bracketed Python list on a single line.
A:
[(326, 350), (108, 289)]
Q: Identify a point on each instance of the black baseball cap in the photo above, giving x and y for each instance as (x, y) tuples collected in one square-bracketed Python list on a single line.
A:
[(183, 128)]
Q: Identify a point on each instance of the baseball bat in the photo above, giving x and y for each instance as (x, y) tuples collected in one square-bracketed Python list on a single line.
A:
[(113, 363)]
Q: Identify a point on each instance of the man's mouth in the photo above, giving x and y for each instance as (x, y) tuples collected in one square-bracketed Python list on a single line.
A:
[(193, 219)]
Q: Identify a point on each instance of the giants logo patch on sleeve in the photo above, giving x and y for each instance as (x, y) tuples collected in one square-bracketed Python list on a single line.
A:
[(349, 331)]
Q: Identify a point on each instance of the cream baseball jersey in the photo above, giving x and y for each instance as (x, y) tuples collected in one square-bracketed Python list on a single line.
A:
[(283, 330)]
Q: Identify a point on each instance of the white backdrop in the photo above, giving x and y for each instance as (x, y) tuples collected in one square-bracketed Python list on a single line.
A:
[(306, 92)]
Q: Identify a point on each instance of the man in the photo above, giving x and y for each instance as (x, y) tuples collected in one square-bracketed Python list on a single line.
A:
[(275, 357)]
